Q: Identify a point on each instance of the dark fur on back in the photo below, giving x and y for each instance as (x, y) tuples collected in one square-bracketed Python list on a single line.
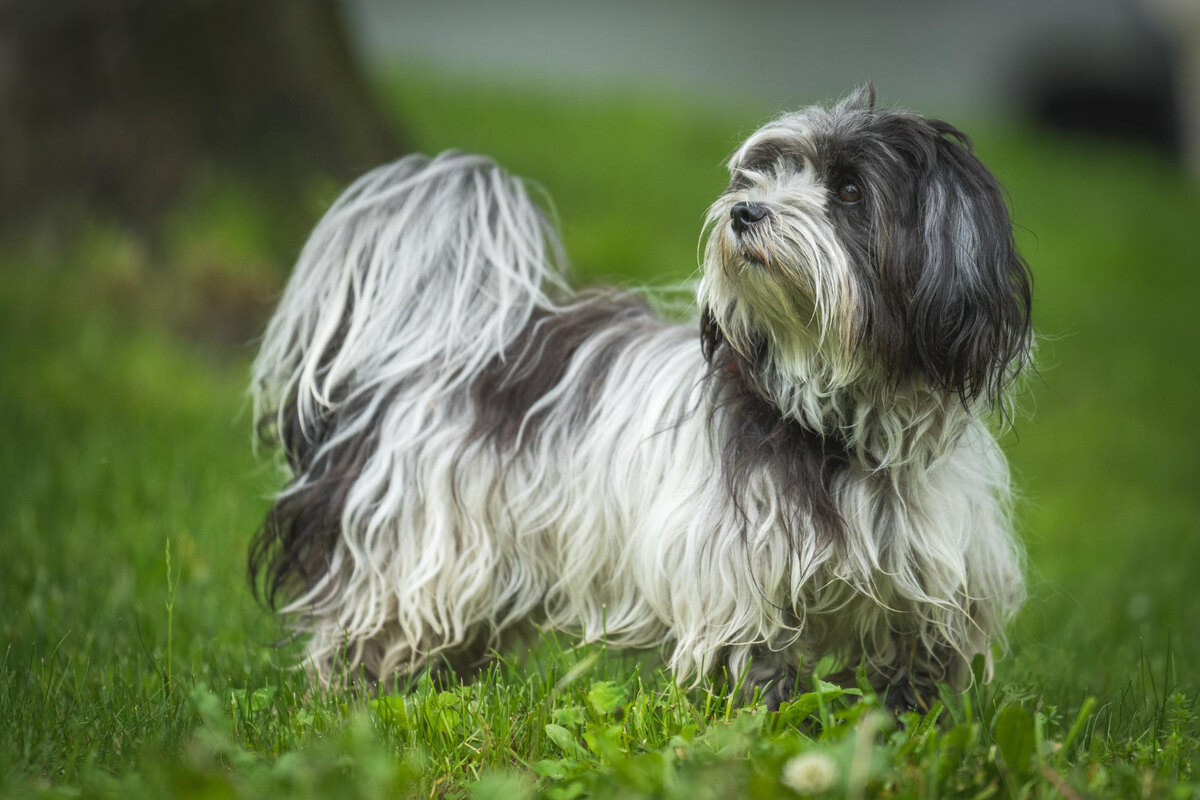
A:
[(538, 358)]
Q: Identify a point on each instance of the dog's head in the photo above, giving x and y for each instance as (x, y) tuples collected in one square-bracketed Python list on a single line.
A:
[(856, 245)]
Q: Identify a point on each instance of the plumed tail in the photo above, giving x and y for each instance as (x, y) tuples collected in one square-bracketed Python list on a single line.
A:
[(425, 268), (420, 274)]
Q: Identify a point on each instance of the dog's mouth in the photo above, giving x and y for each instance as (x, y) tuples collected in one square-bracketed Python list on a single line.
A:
[(750, 256), (753, 254), (748, 248)]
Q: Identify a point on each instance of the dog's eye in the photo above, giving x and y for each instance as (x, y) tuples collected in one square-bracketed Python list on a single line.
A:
[(849, 193)]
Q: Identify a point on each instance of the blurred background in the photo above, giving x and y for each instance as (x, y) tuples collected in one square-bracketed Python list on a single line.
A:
[(162, 163)]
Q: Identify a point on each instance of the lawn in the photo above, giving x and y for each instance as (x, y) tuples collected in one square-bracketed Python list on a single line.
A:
[(137, 664)]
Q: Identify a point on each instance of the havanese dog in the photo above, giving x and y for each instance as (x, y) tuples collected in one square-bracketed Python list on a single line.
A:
[(804, 470)]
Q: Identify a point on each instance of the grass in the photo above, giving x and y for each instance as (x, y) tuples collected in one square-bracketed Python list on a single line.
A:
[(136, 664)]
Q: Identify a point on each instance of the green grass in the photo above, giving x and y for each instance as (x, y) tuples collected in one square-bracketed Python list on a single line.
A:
[(125, 431)]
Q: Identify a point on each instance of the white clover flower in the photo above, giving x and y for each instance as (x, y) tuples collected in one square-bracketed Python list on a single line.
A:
[(809, 773)]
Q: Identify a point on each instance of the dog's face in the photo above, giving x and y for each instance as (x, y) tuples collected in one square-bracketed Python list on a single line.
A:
[(871, 245)]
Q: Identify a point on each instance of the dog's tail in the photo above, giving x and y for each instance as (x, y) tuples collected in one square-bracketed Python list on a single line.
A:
[(424, 269), (420, 274)]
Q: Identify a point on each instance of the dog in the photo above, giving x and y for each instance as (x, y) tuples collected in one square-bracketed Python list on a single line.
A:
[(804, 470)]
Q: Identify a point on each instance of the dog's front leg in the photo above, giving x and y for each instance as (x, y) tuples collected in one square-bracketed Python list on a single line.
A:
[(773, 676)]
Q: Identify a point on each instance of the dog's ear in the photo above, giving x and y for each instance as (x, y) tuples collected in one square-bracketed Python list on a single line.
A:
[(971, 305), (861, 98)]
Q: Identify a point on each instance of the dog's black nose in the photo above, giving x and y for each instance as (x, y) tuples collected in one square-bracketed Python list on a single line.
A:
[(746, 214)]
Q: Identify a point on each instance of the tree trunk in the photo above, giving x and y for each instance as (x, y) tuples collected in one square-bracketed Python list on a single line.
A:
[(112, 105)]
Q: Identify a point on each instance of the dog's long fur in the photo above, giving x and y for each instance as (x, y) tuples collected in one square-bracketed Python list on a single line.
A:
[(473, 445)]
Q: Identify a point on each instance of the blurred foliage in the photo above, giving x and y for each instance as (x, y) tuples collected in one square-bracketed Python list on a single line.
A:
[(122, 408)]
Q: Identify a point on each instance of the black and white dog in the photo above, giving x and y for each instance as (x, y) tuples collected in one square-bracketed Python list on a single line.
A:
[(805, 472)]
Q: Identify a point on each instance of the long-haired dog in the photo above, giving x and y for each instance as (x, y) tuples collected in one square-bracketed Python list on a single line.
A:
[(805, 472)]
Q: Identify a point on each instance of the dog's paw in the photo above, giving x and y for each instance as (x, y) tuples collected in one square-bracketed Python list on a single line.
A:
[(909, 694), (774, 687)]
